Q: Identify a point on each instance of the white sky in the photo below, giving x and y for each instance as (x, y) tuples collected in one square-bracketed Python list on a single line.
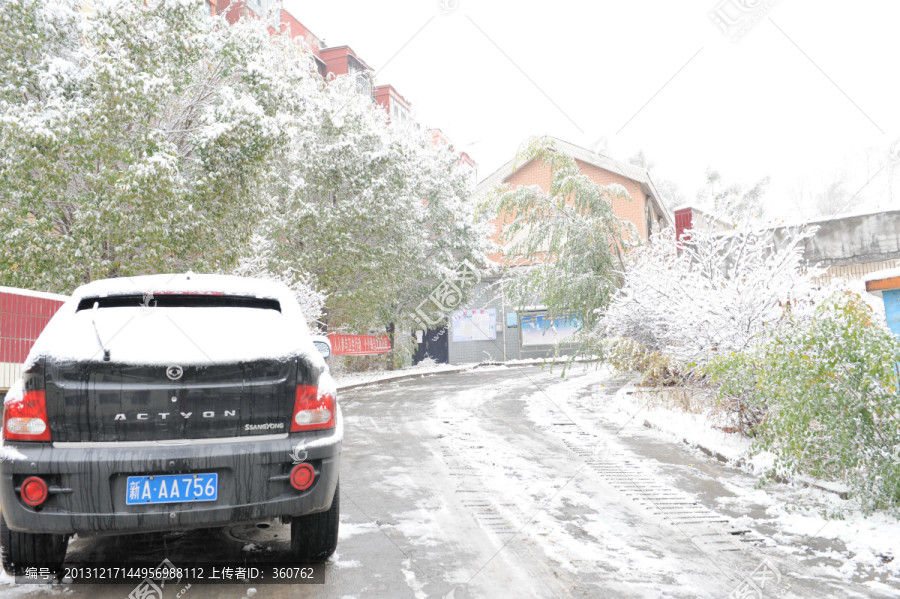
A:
[(655, 75)]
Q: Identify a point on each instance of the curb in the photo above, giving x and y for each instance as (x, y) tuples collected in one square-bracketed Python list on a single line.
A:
[(401, 376), (741, 462)]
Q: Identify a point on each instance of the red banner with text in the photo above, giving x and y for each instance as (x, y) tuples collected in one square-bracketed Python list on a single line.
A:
[(359, 345)]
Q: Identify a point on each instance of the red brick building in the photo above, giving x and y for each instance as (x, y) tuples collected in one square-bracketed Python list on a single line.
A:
[(397, 107), (333, 61), (645, 208), (689, 218)]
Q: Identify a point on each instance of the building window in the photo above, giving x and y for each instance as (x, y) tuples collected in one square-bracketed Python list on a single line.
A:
[(398, 112), (260, 7), (363, 83)]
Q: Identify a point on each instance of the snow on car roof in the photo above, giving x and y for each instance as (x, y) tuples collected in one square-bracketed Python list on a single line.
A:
[(183, 283)]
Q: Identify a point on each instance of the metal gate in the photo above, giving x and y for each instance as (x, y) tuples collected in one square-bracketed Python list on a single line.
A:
[(433, 343)]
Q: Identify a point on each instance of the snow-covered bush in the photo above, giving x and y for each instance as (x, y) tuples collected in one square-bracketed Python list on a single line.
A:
[(624, 354), (828, 388), (714, 294)]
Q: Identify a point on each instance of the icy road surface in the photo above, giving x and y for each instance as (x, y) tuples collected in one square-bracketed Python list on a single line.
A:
[(512, 482)]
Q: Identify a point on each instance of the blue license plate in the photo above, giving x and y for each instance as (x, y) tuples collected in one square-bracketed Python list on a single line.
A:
[(171, 488)]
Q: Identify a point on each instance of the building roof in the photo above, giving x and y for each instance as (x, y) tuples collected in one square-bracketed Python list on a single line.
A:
[(340, 51), (392, 91), (624, 169)]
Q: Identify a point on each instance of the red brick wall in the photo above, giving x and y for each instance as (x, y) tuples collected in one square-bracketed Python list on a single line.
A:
[(383, 98)]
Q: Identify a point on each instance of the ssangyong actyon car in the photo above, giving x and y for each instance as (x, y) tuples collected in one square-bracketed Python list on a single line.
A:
[(170, 402)]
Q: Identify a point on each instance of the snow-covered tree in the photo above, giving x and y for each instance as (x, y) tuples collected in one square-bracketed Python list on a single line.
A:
[(714, 294), (735, 201), (259, 262), (567, 243), (669, 190), (144, 137), (376, 213), (131, 138)]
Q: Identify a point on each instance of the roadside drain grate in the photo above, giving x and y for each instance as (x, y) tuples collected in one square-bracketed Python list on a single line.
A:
[(707, 529)]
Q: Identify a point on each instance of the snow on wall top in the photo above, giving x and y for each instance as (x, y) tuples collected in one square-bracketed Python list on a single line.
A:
[(30, 293), (887, 273), (147, 334)]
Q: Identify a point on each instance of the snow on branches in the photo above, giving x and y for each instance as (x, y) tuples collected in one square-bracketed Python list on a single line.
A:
[(713, 294), (142, 136), (569, 236)]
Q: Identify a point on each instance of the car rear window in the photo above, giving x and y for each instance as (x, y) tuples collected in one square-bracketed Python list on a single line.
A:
[(181, 300)]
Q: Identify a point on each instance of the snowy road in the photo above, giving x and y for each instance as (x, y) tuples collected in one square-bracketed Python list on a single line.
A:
[(515, 483)]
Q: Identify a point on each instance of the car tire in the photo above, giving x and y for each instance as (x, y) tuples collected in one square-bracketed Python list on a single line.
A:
[(314, 537), (20, 550)]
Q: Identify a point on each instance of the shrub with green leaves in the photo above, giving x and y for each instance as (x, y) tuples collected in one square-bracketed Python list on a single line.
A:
[(828, 390)]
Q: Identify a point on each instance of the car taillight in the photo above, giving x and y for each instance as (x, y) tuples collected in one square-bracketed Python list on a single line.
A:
[(25, 418), (312, 410)]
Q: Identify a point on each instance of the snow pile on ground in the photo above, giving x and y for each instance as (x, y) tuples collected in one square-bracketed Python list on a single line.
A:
[(702, 430)]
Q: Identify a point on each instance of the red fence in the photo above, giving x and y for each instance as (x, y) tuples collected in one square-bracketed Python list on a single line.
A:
[(359, 345), (22, 318), (23, 315)]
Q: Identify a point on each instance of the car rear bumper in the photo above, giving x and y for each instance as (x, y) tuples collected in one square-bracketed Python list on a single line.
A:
[(88, 482)]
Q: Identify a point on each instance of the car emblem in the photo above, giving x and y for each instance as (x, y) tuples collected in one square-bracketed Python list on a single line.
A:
[(174, 372)]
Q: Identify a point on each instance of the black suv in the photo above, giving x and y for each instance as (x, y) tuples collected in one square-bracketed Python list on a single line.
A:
[(170, 402)]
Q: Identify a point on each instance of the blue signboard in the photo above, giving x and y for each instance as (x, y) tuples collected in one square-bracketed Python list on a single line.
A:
[(540, 329)]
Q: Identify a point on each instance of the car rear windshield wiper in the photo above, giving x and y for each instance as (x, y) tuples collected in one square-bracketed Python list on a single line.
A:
[(97, 332)]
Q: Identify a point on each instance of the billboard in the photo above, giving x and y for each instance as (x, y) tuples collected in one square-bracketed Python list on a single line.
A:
[(539, 329), (474, 325)]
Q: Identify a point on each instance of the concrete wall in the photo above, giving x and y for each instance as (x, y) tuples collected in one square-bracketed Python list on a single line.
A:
[(856, 240)]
